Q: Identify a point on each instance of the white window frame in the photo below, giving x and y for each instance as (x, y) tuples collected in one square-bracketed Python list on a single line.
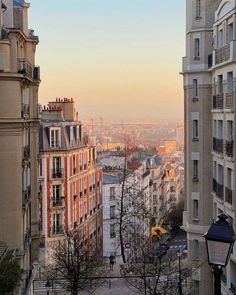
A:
[(56, 133)]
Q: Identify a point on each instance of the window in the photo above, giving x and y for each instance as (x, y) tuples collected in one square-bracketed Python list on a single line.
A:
[(154, 186), (230, 82), (112, 193), (112, 231), (220, 129), (154, 209), (57, 226), (220, 84), (74, 164), (198, 9), (229, 131), (56, 189), (195, 249), (55, 141), (195, 209), (195, 129), (112, 212), (195, 170), (195, 89), (230, 30), (197, 48), (220, 38), (56, 167)]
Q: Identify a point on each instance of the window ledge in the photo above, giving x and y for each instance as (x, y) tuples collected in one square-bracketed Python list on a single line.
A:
[(198, 17), (195, 179), (195, 99), (195, 139), (195, 219), (196, 58)]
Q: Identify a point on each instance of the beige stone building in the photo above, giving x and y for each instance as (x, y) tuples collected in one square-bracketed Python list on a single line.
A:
[(19, 82), (209, 70)]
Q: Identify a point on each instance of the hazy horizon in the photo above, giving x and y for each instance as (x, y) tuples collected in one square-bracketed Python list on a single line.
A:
[(118, 59)]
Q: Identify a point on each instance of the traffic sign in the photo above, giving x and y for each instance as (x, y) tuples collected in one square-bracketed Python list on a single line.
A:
[(127, 246)]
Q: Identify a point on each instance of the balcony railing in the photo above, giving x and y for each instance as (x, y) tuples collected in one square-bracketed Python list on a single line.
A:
[(57, 173), (218, 145), (25, 68), (24, 110), (218, 101), (26, 152), (26, 196), (57, 202), (229, 100), (228, 195), (222, 54), (229, 148), (218, 189), (57, 230)]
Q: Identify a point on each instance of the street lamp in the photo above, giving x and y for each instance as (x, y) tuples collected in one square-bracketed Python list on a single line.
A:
[(219, 242), (48, 287)]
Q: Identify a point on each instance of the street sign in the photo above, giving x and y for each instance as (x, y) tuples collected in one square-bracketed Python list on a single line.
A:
[(127, 246)]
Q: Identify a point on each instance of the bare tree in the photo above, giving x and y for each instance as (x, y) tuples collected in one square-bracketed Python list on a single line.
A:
[(154, 273), (75, 265)]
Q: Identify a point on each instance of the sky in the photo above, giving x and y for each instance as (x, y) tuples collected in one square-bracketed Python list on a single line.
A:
[(117, 58)]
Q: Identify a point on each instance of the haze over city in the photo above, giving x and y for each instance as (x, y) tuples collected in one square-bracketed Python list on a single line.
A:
[(112, 56)]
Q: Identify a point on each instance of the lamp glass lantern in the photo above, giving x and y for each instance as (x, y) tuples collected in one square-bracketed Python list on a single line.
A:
[(219, 241)]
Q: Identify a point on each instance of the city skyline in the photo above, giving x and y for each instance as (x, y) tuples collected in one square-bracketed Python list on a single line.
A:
[(114, 56)]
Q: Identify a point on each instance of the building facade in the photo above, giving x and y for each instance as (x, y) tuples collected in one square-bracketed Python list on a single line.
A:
[(19, 82), (70, 179), (209, 70)]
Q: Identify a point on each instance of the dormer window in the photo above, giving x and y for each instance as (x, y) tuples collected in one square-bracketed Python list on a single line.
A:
[(55, 137)]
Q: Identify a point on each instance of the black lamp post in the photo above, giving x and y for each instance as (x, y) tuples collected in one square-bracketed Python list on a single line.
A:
[(219, 242), (48, 287)]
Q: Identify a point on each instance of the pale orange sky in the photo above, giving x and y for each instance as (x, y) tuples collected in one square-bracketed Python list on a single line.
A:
[(115, 59)]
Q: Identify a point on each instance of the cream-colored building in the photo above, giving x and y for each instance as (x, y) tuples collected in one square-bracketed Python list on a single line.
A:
[(19, 82), (209, 70)]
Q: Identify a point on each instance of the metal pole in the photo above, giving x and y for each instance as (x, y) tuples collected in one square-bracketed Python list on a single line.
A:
[(217, 276), (180, 280)]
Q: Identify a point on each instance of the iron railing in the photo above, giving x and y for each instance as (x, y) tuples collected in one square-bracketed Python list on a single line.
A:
[(218, 101), (228, 195), (229, 148), (57, 173), (218, 145), (222, 54)]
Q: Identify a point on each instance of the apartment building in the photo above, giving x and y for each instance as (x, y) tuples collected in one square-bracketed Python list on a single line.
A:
[(209, 70), (19, 82), (70, 179), (137, 191)]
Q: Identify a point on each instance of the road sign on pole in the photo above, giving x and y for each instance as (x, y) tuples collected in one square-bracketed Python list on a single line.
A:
[(127, 246)]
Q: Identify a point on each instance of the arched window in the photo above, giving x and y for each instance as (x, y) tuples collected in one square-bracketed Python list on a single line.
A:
[(198, 8)]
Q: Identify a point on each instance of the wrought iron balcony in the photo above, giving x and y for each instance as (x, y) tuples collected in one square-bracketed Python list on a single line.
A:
[(57, 173), (218, 189), (228, 195), (229, 148), (25, 68), (57, 230), (218, 145), (222, 54), (58, 202), (229, 100), (26, 196), (218, 101)]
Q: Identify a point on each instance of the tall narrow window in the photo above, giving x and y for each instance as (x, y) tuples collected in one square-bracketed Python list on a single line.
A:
[(230, 32), (195, 208), (197, 48), (198, 9), (195, 170), (195, 249), (55, 138), (195, 89), (220, 38), (112, 231), (230, 82), (195, 129)]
